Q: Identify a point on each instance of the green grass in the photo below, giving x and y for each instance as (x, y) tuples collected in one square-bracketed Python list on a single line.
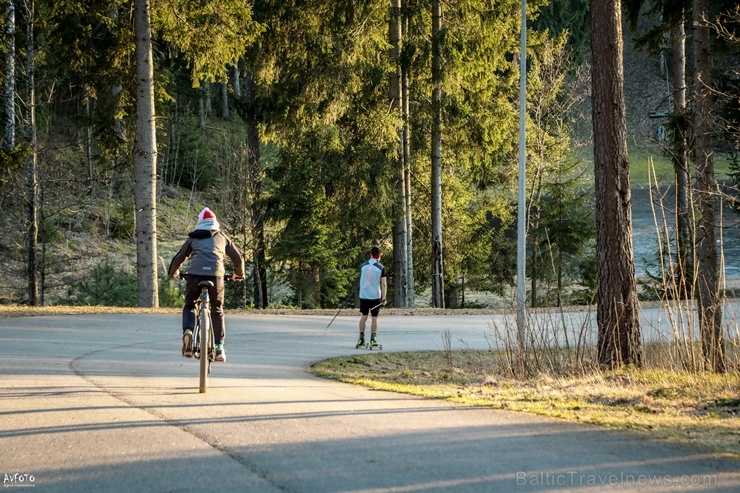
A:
[(646, 165)]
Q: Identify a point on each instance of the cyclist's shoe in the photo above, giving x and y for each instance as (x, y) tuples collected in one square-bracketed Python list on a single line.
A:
[(220, 353), (360, 342), (187, 343), (373, 343)]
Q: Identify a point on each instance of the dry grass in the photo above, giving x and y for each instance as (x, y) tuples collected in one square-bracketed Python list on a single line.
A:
[(696, 409), (9, 311)]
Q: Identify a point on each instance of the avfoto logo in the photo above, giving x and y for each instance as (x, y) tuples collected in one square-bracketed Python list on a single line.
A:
[(18, 479)]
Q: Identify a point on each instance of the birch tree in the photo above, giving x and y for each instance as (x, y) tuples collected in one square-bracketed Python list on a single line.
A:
[(32, 183), (406, 148), (400, 232), (679, 137), (671, 22), (437, 258)]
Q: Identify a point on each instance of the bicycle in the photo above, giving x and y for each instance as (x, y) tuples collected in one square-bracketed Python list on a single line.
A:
[(203, 332)]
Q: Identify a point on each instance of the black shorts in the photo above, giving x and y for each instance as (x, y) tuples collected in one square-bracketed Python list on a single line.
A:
[(366, 305)]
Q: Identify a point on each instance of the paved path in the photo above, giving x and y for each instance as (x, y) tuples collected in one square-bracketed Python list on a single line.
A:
[(105, 403)]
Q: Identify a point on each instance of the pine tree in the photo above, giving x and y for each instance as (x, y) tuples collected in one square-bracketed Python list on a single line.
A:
[(707, 278), (617, 315), (145, 160)]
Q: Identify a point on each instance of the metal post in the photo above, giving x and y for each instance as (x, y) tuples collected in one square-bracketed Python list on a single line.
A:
[(521, 290)]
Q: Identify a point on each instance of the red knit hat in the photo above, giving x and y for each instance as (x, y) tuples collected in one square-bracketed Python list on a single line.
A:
[(207, 220), (206, 214)]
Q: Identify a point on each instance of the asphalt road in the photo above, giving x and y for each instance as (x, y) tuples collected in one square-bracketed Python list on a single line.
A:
[(106, 403)]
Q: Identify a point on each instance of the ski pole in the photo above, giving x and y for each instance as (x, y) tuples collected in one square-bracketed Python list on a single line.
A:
[(378, 305), (352, 293), (335, 316)]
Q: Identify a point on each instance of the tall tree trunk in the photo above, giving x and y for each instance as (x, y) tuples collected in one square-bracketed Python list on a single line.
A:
[(204, 105), (533, 266), (145, 160), (400, 247), (437, 257), (89, 143), (405, 78), (617, 316), (32, 184), (222, 90), (9, 79), (235, 81), (257, 215), (710, 313), (684, 244)]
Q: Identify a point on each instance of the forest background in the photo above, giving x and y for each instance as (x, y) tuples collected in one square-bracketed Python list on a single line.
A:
[(279, 117)]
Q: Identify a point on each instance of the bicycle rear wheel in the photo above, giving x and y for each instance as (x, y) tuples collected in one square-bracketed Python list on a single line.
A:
[(205, 360)]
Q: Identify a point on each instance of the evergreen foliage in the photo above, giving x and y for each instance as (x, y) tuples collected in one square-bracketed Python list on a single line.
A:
[(106, 285), (206, 34), (563, 233), (313, 79), (570, 17)]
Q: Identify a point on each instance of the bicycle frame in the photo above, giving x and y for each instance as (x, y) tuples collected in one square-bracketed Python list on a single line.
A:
[(203, 342)]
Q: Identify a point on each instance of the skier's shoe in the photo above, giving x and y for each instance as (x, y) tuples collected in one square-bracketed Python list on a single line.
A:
[(187, 346)]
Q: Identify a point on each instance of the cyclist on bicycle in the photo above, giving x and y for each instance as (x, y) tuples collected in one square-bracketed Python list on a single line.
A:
[(206, 247)]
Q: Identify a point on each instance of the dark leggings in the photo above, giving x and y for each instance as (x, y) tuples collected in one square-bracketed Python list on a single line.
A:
[(216, 295)]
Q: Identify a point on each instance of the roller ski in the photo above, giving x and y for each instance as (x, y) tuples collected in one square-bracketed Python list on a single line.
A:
[(373, 344), (360, 343)]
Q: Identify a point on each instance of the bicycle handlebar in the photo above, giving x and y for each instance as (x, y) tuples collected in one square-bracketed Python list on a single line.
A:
[(227, 277)]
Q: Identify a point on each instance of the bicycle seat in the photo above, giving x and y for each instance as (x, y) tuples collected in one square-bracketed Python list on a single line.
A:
[(206, 283)]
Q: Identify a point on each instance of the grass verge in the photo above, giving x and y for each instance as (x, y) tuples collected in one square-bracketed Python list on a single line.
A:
[(700, 410), (10, 311)]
